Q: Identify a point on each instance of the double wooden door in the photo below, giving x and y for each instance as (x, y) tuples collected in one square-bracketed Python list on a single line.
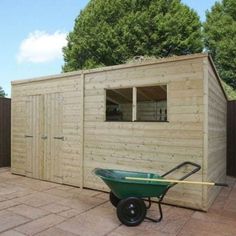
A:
[(44, 138)]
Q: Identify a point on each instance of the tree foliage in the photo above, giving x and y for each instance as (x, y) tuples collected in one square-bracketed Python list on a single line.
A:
[(220, 38), (111, 32), (231, 93), (2, 93)]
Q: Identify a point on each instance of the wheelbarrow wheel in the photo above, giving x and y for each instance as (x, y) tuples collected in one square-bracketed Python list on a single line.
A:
[(131, 211), (114, 199)]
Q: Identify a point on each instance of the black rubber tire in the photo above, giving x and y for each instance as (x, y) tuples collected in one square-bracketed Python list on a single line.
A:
[(131, 211), (114, 199)]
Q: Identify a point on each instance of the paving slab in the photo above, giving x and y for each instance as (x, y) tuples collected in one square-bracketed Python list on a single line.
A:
[(11, 233), (84, 192), (69, 213), (98, 221), (8, 203), (137, 231), (38, 199), (64, 187), (56, 232), (55, 208), (40, 225), (23, 192), (28, 211), (208, 228), (82, 203), (10, 220), (60, 193), (232, 194)]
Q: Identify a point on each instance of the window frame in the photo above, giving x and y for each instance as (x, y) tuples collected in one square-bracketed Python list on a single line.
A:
[(134, 103)]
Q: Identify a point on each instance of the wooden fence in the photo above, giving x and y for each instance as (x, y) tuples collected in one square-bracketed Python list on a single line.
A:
[(231, 139), (5, 132)]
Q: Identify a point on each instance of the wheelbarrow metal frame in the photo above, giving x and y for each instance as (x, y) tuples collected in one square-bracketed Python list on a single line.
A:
[(160, 199)]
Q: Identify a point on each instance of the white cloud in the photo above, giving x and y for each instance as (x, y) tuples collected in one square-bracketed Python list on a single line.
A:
[(39, 47)]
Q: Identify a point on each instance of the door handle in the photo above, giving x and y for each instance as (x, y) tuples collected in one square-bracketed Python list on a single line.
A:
[(61, 138), (28, 136), (44, 137)]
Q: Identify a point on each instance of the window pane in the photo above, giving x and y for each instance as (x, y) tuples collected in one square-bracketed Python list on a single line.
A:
[(119, 104), (152, 103)]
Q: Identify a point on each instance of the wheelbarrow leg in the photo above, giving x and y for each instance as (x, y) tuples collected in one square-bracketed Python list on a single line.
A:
[(149, 203), (160, 214)]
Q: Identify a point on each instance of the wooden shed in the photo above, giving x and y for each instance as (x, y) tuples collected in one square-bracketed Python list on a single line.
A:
[(145, 116)]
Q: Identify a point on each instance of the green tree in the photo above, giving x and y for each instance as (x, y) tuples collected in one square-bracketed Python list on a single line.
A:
[(2, 93), (110, 32), (231, 93), (220, 38)]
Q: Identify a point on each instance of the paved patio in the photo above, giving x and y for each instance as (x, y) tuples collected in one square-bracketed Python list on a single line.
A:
[(33, 207)]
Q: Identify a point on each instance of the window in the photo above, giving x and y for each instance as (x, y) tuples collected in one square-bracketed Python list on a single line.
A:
[(119, 104), (151, 103), (137, 104)]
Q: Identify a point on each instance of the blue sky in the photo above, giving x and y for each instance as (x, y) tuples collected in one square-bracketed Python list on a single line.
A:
[(33, 32)]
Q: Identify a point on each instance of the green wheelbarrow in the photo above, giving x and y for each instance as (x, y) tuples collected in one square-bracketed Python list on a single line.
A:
[(130, 190)]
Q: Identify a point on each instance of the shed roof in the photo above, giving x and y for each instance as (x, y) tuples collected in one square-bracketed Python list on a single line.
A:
[(115, 67), (129, 65)]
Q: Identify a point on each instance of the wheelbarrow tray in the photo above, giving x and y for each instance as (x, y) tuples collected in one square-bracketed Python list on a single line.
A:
[(124, 188)]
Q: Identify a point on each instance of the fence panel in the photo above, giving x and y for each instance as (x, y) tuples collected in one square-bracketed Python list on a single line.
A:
[(231, 139), (5, 132)]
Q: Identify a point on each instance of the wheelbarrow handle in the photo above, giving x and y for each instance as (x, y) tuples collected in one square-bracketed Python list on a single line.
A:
[(222, 184), (177, 181), (196, 169)]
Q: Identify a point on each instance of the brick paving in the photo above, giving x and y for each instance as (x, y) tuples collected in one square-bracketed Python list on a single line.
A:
[(34, 207)]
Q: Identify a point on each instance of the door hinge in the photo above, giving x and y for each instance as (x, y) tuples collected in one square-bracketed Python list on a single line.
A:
[(61, 138)]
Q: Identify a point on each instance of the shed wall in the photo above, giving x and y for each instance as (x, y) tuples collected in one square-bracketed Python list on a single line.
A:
[(217, 134), (147, 146)]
